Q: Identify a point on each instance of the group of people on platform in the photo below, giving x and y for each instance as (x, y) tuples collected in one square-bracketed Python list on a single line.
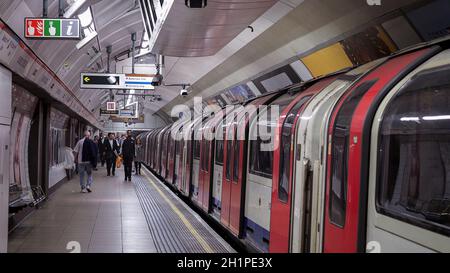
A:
[(88, 153)]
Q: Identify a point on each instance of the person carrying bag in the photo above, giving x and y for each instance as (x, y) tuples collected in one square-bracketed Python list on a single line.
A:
[(119, 161)]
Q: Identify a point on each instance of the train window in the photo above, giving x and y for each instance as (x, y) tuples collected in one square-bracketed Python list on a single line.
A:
[(285, 150), (219, 152), (206, 156), (339, 153), (261, 149), (236, 157), (261, 156), (413, 182), (197, 149), (229, 159)]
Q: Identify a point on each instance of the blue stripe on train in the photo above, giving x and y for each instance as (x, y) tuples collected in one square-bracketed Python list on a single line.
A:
[(256, 234)]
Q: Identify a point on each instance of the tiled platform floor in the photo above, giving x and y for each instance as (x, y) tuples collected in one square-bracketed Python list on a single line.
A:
[(109, 220)]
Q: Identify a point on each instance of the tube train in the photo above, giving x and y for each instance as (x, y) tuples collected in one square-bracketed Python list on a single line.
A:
[(360, 161)]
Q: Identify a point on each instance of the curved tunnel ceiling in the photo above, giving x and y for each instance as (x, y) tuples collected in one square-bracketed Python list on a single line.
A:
[(115, 20), (306, 24)]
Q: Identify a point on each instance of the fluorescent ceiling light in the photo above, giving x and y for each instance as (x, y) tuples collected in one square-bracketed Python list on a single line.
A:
[(86, 40), (86, 18), (94, 59), (74, 8), (410, 119), (145, 46), (431, 118), (130, 98), (87, 23)]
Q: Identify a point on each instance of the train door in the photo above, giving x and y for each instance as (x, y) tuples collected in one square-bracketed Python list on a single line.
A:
[(4, 183), (205, 174), (159, 151), (188, 158), (196, 168), (309, 165), (185, 171), (218, 172), (228, 177), (181, 164), (232, 193), (5, 130), (171, 158), (345, 209), (409, 170), (149, 150), (179, 143), (219, 128), (282, 187), (164, 153), (258, 188)]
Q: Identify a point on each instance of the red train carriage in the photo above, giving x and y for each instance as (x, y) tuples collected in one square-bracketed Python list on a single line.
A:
[(345, 202), (282, 182)]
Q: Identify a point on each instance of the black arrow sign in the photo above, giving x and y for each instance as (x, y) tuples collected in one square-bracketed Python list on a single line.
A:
[(100, 80), (106, 112)]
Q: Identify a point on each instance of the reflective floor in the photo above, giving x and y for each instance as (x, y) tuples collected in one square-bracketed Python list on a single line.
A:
[(109, 220)]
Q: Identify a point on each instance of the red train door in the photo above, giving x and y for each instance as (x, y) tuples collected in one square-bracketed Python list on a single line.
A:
[(280, 214), (236, 184), (179, 171), (186, 189), (171, 160), (205, 174), (344, 229), (227, 176)]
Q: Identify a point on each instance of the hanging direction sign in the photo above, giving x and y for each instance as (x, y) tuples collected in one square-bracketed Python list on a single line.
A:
[(52, 28), (117, 81), (104, 112), (111, 106), (127, 113), (138, 81)]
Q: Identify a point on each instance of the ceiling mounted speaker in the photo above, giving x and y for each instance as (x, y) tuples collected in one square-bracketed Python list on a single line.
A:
[(196, 4)]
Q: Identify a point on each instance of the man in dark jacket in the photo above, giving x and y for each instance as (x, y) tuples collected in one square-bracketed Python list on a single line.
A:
[(112, 149), (128, 154), (96, 152), (101, 149), (85, 157)]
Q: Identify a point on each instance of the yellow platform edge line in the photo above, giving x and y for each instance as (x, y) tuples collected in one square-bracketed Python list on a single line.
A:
[(185, 221)]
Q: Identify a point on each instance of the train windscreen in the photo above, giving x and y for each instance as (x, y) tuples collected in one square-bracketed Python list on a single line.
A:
[(414, 153)]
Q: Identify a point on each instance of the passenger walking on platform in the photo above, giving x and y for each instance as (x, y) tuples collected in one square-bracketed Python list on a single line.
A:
[(85, 156), (101, 149), (120, 140), (112, 150), (128, 154), (69, 162), (138, 159), (96, 152)]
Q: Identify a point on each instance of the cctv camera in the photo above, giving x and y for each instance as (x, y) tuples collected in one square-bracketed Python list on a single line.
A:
[(184, 92)]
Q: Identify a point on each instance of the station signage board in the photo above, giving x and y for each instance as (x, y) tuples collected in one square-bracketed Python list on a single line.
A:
[(52, 28), (104, 112), (116, 81), (111, 106), (127, 113), (138, 81)]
